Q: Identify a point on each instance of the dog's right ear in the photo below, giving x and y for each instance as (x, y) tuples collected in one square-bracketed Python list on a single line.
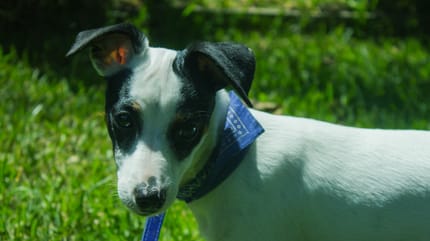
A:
[(218, 65), (111, 48)]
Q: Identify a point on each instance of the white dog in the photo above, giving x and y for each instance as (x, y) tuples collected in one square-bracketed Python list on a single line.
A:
[(301, 179)]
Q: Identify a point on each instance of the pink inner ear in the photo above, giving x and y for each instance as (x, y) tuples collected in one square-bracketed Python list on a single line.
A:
[(111, 53), (117, 55), (113, 49), (121, 55)]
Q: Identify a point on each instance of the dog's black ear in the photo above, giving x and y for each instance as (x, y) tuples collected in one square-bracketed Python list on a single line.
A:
[(112, 47), (221, 64)]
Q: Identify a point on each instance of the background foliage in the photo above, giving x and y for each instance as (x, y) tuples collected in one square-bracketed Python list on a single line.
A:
[(356, 62)]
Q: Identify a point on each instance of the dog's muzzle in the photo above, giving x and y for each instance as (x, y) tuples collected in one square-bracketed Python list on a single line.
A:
[(148, 200)]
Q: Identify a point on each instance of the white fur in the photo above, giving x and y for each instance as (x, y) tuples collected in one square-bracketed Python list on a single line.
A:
[(309, 180), (302, 180), (153, 88)]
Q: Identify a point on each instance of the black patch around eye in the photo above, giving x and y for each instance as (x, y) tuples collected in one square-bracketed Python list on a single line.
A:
[(125, 126), (123, 120), (185, 134), (193, 116), (117, 88), (118, 110), (194, 110)]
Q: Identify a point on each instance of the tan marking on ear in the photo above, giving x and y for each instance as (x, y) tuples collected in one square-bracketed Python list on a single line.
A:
[(136, 106)]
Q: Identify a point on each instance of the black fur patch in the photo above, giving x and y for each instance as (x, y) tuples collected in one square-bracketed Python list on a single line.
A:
[(118, 102), (221, 64), (206, 68), (195, 109)]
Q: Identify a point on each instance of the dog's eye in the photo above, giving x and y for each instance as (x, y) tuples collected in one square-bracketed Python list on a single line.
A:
[(187, 132), (123, 119)]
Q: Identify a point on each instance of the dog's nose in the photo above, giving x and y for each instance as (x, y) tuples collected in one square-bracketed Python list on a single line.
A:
[(148, 200)]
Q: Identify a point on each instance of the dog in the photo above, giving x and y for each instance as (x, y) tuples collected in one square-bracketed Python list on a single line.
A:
[(301, 179)]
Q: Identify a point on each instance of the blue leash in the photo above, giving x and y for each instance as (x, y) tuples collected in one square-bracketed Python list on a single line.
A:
[(240, 131), (153, 227)]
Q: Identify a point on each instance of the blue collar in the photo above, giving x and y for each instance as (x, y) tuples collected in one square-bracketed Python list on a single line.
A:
[(240, 131)]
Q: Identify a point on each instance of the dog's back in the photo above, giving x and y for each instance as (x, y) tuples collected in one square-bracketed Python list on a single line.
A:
[(318, 181)]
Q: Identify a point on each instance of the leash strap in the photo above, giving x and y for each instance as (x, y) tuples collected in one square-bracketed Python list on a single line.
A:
[(153, 227)]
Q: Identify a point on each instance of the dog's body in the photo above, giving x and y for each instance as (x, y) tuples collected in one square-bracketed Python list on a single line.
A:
[(300, 180), (309, 180)]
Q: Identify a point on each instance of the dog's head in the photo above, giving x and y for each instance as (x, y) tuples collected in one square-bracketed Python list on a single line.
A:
[(163, 107)]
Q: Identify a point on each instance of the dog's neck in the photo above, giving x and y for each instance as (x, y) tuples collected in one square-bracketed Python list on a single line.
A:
[(240, 130)]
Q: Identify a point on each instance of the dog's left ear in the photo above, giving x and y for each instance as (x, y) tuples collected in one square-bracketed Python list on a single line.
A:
[(221, 64), (112, 47)]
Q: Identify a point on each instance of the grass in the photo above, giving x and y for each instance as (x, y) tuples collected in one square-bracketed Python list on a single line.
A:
[(335, 77), (56, 167)]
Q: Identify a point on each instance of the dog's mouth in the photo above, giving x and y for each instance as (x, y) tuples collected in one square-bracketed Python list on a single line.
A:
[(146, 211)]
